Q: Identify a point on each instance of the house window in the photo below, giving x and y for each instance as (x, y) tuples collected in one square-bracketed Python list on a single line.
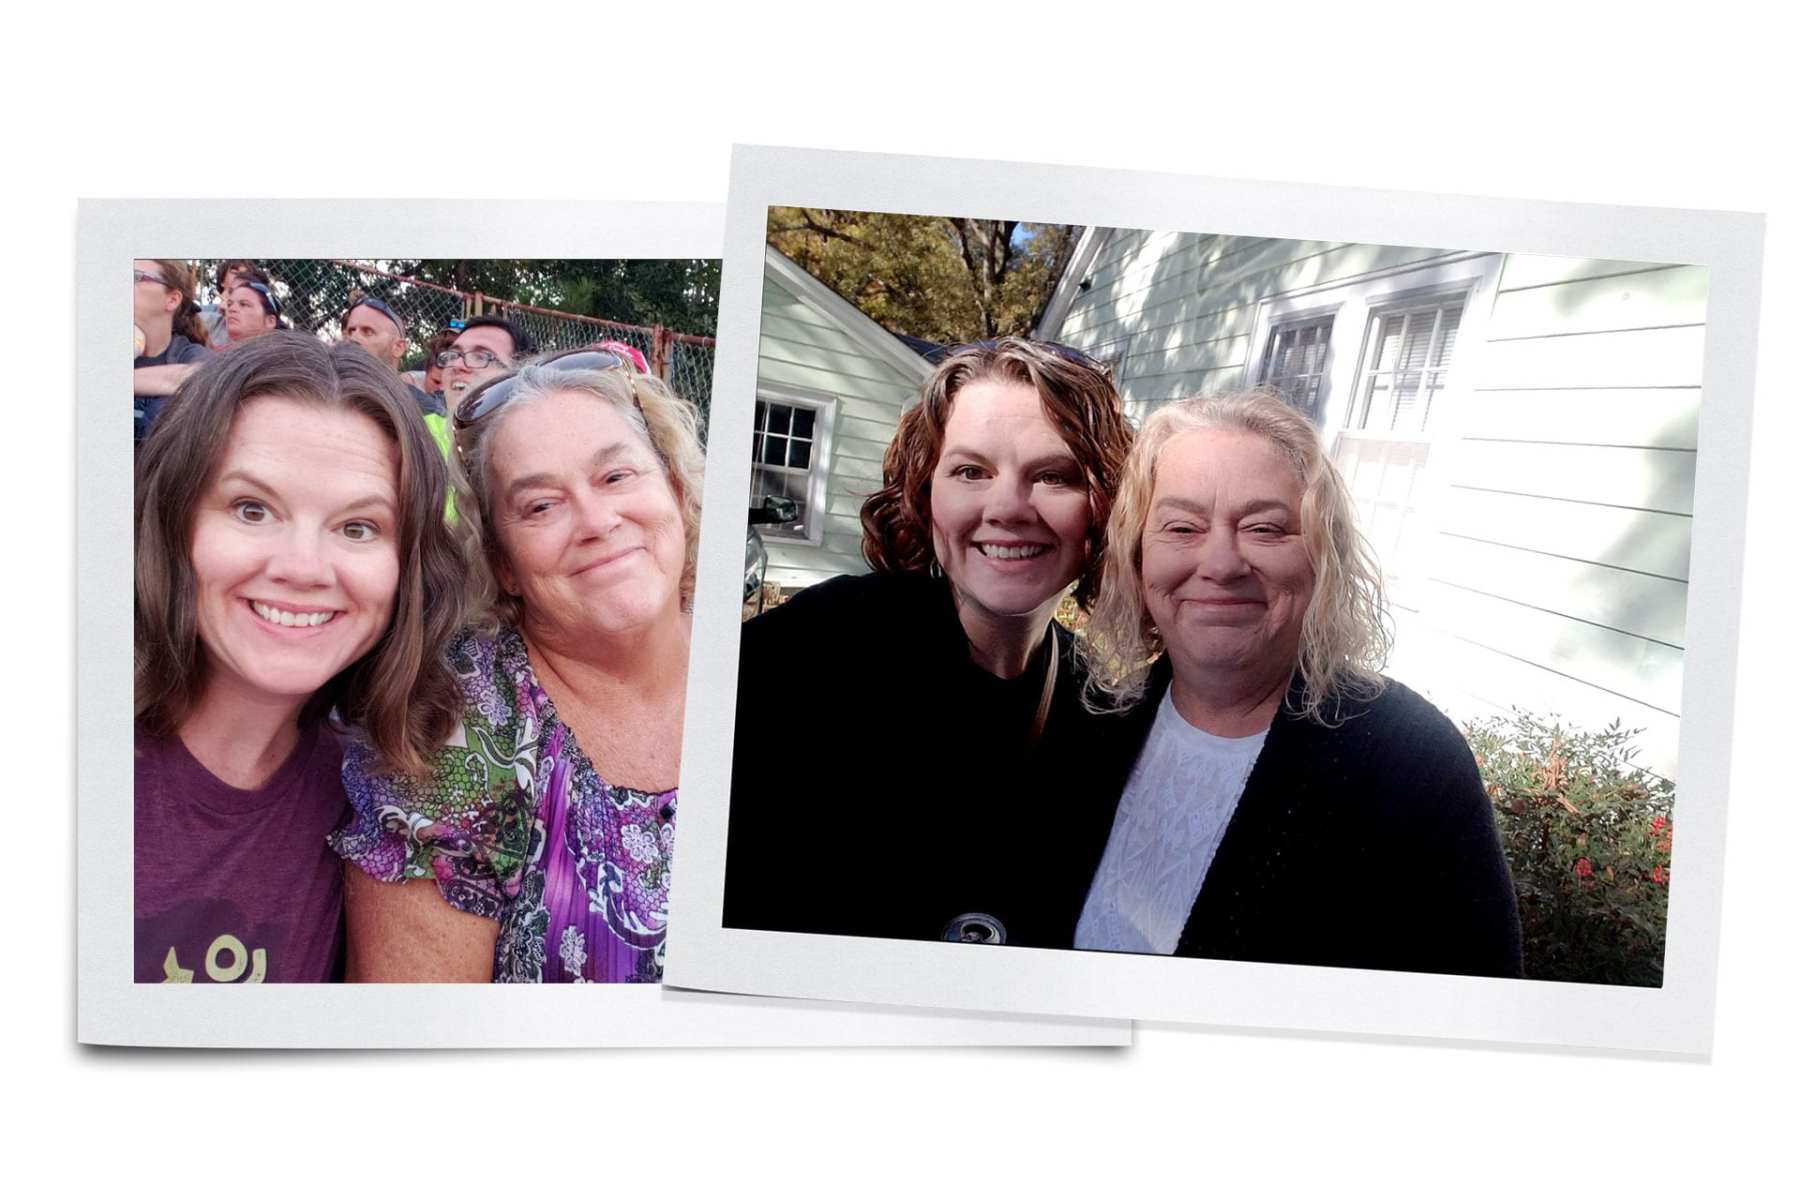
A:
[(1406, 362), (1294, 363), (788, 452)]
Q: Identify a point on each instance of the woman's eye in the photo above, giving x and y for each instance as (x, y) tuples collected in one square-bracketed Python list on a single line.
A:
[(250, 512), (966, 471), (534, 508), (619, 476), (361, 531)]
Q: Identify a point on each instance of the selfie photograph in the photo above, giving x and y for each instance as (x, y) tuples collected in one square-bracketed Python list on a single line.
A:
[(414, 570), (1135, 616)]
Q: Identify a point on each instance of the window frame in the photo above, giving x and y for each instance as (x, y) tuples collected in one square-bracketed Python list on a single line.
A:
[(824, 407), (1352, 304)]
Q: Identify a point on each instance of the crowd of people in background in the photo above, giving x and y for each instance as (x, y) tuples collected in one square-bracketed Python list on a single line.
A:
[(175, 333)]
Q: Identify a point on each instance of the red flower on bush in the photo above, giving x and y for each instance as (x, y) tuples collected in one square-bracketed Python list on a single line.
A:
[(1657, 876), (1658, 822), (1583, 867)]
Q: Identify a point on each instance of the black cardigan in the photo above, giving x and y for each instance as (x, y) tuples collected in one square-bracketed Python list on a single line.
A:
[(1370, 843), (882, 784)]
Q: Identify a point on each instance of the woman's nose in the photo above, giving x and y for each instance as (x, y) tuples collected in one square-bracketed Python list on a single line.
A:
[(595, 515), (1220, 557), (300, 560), (1009, 501)]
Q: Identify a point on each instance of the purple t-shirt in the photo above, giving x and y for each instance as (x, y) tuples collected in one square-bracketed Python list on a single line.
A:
[(236, 886)]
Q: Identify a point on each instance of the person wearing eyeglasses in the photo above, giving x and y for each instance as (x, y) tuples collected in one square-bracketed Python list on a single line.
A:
[(251, 310), (911, 747), (537, 846), (488, 345), (170, 341), (292, 573)]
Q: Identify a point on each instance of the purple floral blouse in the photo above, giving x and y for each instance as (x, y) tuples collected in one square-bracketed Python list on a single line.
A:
[(515, 825)]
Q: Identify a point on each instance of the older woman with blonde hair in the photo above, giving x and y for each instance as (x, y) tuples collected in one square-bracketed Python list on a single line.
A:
[(1285, 801), (537, 847)]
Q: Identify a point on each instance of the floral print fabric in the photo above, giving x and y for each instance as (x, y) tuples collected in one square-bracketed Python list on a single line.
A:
[(515, 825)]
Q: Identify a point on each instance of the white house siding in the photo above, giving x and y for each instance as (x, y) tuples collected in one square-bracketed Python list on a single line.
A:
[(1557, 579), (807, 349), (1548, 566)]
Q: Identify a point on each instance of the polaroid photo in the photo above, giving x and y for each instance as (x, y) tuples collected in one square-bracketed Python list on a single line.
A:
[(1218, 602), (272, 577)]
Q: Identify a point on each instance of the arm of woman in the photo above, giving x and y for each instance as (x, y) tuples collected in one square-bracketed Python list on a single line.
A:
[(423, 858), (161, 380), (406, 932)]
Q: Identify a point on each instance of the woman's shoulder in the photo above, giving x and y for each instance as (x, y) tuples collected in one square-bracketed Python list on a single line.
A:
[(1395, 731), (845, 603)]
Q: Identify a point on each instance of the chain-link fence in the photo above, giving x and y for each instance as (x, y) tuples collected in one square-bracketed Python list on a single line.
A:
[(314, 293)]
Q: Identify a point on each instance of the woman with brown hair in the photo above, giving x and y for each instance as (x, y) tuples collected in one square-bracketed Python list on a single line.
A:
[(293, 572), (170, 341), (933, 706)]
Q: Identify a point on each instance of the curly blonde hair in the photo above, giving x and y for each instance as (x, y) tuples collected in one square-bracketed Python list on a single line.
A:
[(1345, 635), (667, 422)]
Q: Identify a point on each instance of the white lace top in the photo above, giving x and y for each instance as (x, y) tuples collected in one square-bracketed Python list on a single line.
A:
[(1180, 796)]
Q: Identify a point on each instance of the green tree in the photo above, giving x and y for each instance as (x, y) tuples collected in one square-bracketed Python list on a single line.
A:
[(680, 293), (946, 279)]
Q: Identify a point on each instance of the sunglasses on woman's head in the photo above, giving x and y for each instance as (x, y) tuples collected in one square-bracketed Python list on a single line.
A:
[(138, 276), (491, 395), (270, 304)]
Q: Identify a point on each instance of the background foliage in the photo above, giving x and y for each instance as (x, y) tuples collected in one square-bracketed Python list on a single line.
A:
[(944, 279), (1588, 836)]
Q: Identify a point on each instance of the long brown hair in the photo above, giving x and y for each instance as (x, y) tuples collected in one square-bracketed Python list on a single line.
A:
[(178, 277), (401, 692), (1082, 405)]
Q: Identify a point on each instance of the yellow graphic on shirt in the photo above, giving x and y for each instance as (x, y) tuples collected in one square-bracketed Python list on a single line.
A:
[(218, 969)]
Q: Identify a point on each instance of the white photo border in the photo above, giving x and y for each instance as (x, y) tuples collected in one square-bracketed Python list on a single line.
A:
[(111, 1009), (1676, 1019)]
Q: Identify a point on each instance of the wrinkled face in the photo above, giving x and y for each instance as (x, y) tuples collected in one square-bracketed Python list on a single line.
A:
[(246, 316), (151, 302), (589, 526), (487, 345), (371, 330), (295, 549), (1009, 505), (1227, 578)]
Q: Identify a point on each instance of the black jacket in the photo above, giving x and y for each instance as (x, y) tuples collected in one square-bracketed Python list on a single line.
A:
[(883, 785), (1368, 844)]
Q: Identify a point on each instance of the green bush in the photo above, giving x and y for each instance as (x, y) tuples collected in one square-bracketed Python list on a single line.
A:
[(1587, 834)]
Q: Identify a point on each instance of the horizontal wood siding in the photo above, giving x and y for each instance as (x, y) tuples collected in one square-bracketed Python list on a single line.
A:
[(803, 348), (1553, 576), (1558, 579)]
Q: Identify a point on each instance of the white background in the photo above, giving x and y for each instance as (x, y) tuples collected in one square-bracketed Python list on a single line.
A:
[(1689, 106)]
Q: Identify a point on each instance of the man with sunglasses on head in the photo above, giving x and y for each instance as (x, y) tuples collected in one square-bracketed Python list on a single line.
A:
[(488, 345), (372, 324)]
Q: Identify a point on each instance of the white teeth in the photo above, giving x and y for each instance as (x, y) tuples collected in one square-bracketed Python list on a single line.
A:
[(1013, 551), (280, 616)]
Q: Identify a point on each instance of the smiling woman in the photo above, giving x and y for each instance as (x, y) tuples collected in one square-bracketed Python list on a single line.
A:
[(937, 700), (1278, 800), (538, 847), (292, 567)]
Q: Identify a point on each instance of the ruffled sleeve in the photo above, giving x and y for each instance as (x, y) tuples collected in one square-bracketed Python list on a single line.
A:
[(468, 823)]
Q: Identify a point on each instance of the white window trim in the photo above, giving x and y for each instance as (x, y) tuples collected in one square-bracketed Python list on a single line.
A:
[(818, 488), (1474, 274)]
